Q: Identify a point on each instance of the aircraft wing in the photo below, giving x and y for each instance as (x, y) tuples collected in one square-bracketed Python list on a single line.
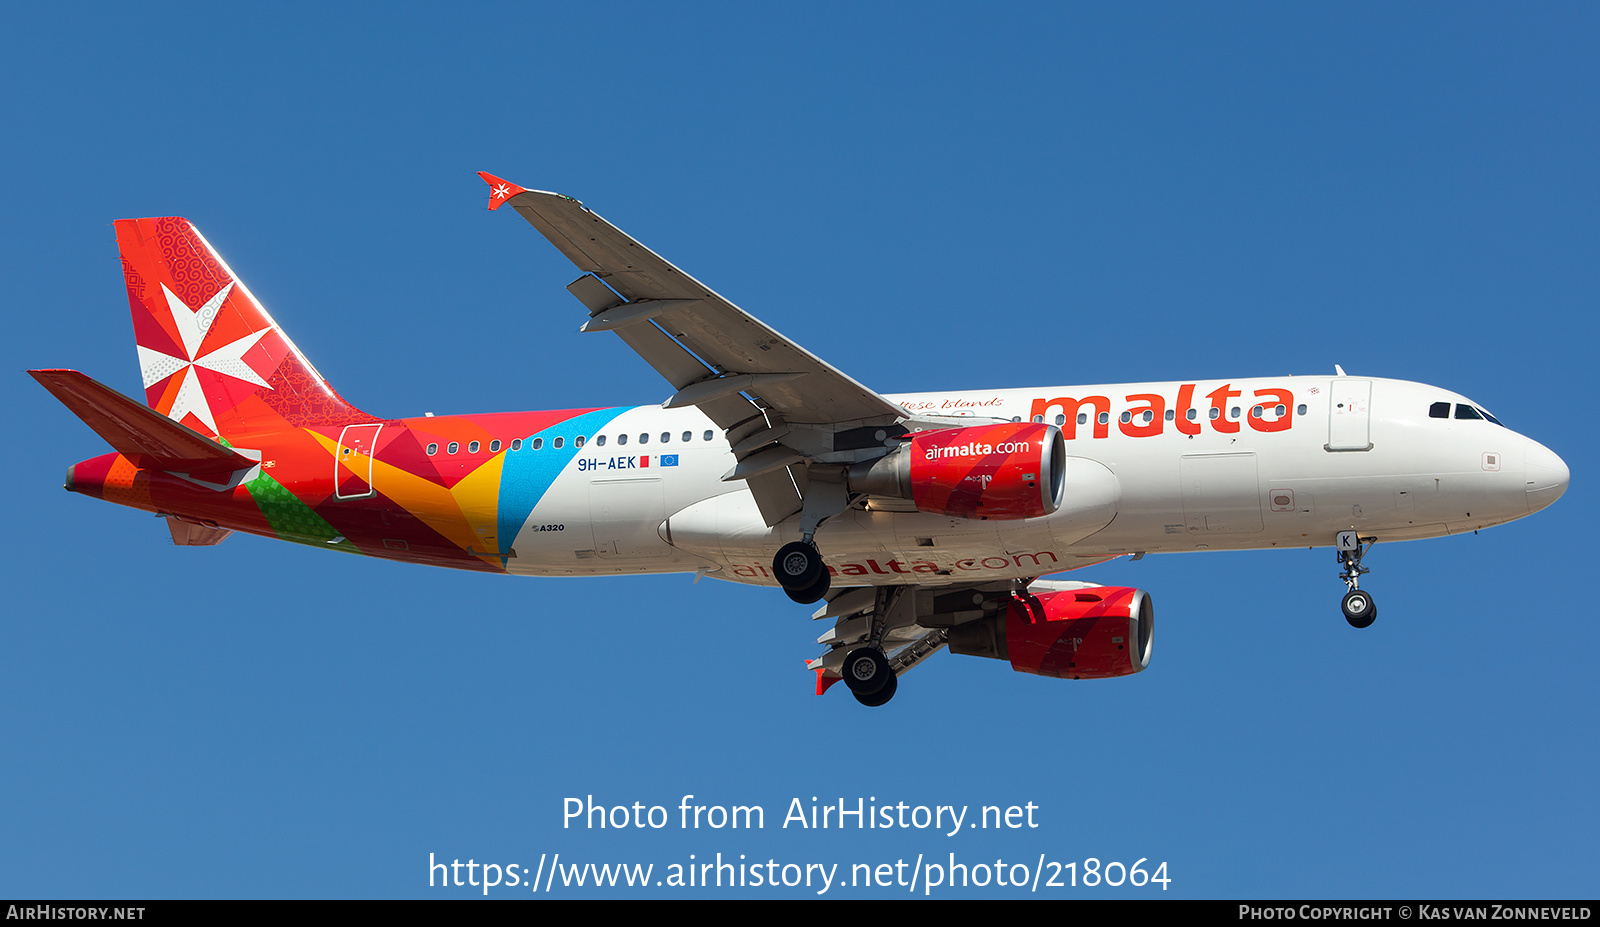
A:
[(711, 351), (743, 353)]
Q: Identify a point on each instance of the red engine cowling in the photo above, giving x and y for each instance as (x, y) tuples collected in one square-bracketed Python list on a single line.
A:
[(1006, 470), (1093, 633)]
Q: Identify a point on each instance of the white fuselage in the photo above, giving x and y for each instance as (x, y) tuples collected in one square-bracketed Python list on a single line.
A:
[(1206, 465)]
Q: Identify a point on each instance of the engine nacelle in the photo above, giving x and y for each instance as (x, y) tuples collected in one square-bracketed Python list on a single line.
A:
[(1092, 633), (1006, 470)]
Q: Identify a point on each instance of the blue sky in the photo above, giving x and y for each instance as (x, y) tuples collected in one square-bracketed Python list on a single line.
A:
[(929, 197)]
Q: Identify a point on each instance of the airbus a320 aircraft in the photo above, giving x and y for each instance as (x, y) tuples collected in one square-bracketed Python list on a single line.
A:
[(923, 521)]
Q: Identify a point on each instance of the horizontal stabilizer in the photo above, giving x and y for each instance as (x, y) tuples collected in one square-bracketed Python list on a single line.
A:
[(146, 437)]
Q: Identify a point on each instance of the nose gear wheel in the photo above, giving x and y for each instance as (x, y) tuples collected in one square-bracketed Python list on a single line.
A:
[(1358, 607)]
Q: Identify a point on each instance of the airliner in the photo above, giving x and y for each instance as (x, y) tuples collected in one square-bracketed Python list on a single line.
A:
[(920, 522)]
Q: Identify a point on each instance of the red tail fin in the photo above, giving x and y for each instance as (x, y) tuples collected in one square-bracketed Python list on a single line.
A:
[(210, 355)]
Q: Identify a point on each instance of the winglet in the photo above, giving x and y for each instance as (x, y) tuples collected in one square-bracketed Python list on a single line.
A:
[(499, 190), (824, 681)]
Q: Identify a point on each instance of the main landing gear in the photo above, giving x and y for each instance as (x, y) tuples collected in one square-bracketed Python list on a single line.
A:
[(1358, 607), (801, 572), (799, 569), (870, 677), (798, 566)]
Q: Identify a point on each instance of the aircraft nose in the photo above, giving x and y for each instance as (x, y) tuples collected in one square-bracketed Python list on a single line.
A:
[(1546, 474)]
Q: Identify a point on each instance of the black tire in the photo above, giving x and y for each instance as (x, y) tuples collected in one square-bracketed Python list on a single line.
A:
[(797, 566), (866, 671), (813, 592), (881, 696), (1359, 609)]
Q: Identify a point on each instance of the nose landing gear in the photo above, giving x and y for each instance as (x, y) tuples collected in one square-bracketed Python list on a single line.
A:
[(1358, 607)]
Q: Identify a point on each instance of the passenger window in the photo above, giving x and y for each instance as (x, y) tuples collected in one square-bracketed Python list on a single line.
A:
[(557, 442), (1083, 418), (1105, 417), (1464, 411), (1279, 410), (622, 439), (516, 444), (666, 436), (1038, 418), (708, 435), (454, 446), (433, 449), (1233, 412), (1439, 410), (1149, 414), (1127, 416), (494, 445), (1301, 409), (538, 443), (1171, 415), (599, 440), (1255, 412), (578, 441), (473, 447), (644, 439), (1192, 414), (1215, 413), (688, 436)]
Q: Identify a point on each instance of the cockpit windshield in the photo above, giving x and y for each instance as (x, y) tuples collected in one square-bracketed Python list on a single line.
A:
[(1464, 412)]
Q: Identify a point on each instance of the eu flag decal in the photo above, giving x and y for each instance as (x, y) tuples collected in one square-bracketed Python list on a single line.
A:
[(668, 460)]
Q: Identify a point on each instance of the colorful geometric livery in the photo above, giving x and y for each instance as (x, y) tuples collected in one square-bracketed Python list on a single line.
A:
[(920, 522), (214, 361)]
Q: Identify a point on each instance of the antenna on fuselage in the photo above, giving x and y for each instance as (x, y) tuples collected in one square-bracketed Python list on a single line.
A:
[(1339, 370)]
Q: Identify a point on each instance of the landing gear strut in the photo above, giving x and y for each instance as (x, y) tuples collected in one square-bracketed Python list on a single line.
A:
[(872, 679), (798, 566), (1358, 607), (800, 571)]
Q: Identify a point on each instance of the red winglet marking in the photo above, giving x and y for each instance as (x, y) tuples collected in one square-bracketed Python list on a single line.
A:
[(824, 683), (499, 190)]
